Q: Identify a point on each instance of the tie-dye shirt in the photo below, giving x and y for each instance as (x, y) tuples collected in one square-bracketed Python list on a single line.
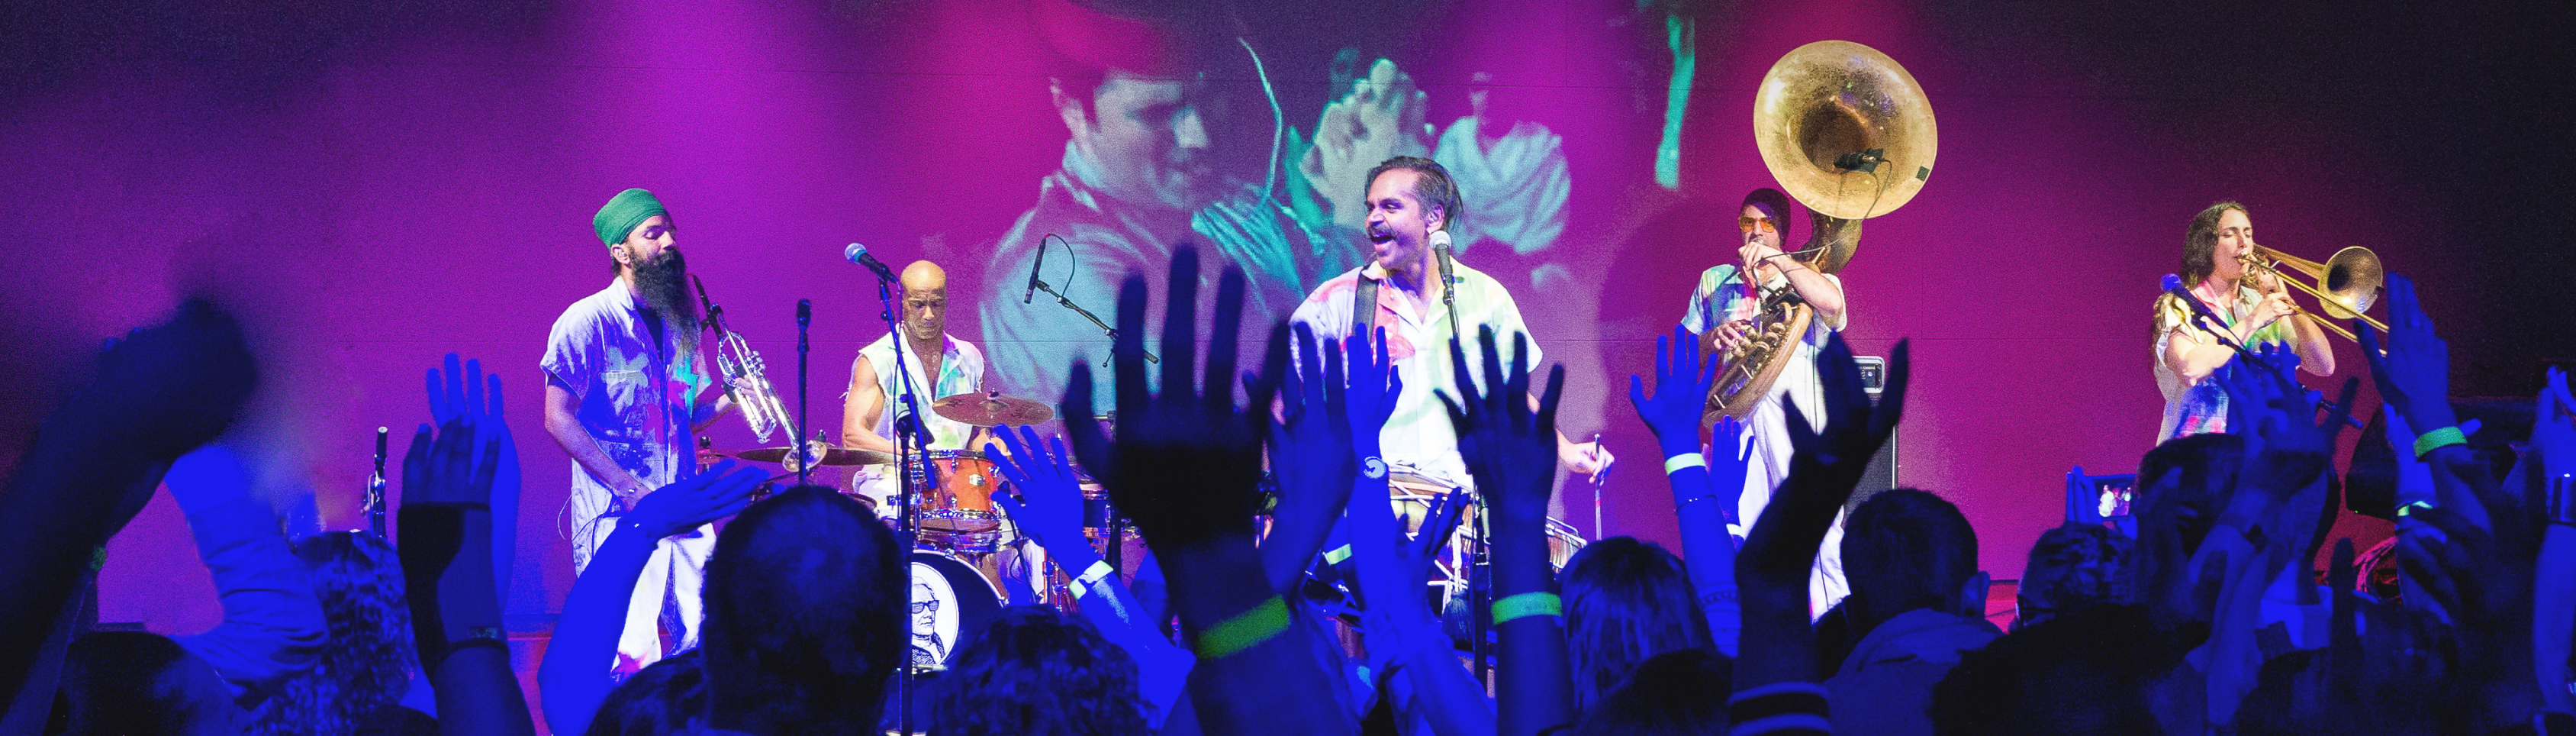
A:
[(2195, 408), (1418, 436)]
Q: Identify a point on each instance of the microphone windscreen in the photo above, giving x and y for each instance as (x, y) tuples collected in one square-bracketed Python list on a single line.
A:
[(2172, 282)]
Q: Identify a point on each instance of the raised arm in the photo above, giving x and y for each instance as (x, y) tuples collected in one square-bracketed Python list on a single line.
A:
[(1506, 444), (445, 524), (273, 625), (1704, 488), (160, 392), (575, 676), (1048, 508), (1776, 688), (1186, 464)]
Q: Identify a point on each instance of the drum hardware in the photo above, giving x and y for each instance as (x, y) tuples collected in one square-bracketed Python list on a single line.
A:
[(909, 440), (991, 408), (825, 455), (804, 350), (1826, 112), (375, 504)]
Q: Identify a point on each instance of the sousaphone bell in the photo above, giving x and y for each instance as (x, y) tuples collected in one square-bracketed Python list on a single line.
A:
[(1849, 134)]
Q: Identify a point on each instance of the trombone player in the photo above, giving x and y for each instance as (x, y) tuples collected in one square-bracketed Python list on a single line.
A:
[(2221, 265)]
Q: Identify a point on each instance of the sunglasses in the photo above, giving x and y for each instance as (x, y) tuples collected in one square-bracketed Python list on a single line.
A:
[(1765, 224)]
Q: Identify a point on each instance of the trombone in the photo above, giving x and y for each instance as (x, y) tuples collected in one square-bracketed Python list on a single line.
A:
[(2346, 284)]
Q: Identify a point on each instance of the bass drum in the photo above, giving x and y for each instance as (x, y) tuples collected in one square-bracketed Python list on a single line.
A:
[(951, 603)]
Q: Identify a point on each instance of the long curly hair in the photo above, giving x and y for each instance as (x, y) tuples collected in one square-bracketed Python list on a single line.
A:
[(2200, 242), (369, 662), (1625, 602), (1037, 672)]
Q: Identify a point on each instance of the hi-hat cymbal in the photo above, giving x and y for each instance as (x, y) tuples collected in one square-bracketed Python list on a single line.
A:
[(991, 408), (831, 456)]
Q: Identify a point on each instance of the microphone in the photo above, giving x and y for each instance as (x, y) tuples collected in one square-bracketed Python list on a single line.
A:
[(2173, 285), (1448, 282), (1440, 245), (1032, 291), (2208, 320), (859, 254)]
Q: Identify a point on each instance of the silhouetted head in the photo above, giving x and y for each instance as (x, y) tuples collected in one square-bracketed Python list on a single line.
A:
[(804, 615), (1906, 549), (1036, 672), (133, 683), (1625, 602)]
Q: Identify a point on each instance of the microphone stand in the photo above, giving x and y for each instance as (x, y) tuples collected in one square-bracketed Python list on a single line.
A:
[(376, 489), (910, 440), (1480, 576), (804, 318), (2202, 317), (1105, 329)]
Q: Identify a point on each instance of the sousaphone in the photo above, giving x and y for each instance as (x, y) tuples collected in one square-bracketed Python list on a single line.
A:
[(1848, 134)]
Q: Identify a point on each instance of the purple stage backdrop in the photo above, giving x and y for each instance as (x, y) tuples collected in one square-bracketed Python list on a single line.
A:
[(376, 184)]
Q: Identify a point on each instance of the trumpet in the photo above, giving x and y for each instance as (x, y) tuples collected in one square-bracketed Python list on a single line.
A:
[(2346, 284), (746, 378)]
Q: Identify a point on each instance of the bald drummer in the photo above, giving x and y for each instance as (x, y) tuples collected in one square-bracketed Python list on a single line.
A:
[(941, 365)]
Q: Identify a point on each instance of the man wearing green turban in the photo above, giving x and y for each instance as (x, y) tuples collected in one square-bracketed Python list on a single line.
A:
[(624, 389)]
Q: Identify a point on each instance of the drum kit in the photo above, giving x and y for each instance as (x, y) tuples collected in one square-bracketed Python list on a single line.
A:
[(960, 538)]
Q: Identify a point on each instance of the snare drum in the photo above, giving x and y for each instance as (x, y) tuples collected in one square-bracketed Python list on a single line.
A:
[(950, 603), (963, 501)]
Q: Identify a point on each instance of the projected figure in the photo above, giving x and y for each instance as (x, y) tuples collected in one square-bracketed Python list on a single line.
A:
[(1141, 174), (623, 398), (1722, 310), (2254, 309), (1409, 199)]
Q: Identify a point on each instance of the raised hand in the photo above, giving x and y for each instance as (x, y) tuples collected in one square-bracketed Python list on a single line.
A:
[(1188, 458), (1048, 505), (2553, 426), (441, 468), (466, 394), (173, 386), (721, 491), (1370, 391), (2415, 374), (1834, 459), (1682, 382), (1381, 118), (1510, 448)]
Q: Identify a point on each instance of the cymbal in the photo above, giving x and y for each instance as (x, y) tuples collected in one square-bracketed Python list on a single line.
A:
[(991, 408), (831, 456)]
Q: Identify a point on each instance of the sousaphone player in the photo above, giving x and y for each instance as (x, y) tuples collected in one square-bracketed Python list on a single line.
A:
[(1846, 131)]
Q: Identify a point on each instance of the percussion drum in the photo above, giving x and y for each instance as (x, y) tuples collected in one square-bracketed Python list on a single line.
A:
[(950, 603), (963, 501)]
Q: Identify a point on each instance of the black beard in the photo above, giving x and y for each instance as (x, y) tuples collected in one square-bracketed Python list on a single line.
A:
[(663, 283)]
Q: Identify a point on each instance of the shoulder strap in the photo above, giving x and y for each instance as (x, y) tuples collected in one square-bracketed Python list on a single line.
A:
[(1364, 307)]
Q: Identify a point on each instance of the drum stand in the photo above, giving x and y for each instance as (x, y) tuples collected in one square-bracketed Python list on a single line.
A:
[(910, 439)]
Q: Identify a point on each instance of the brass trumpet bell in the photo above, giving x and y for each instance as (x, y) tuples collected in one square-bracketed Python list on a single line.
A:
[(1847, 132)]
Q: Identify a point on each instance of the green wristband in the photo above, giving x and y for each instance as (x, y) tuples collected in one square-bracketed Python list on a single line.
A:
[(2437, 439), (1525, 605), (1243, 630)]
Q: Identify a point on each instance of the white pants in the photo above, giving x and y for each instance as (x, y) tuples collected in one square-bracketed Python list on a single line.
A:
[(678, 570), (1767, 433)]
